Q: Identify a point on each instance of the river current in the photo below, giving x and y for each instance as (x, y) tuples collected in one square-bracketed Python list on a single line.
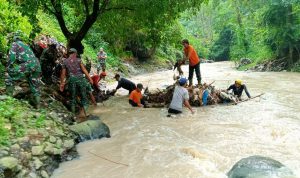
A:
[(146, 143)]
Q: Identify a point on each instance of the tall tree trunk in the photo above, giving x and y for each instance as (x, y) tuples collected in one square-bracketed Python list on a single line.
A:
[(240, 23), (289, 20), (74, 39)]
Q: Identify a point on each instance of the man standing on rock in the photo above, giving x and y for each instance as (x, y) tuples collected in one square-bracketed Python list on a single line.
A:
[(22, 64), (124, 83), (101, 60), (194, 61), (76, 72)]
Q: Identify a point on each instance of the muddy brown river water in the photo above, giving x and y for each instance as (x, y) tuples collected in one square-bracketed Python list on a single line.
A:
[(146, 143)]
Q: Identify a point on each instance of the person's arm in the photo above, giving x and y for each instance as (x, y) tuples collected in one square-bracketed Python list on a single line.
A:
[(62, 80), (187, 57), (139, 103), (186, 101), (247, 93), (187, 104), (140, 96), (12, 55), (230, 87), (86, 73), (119, 85)]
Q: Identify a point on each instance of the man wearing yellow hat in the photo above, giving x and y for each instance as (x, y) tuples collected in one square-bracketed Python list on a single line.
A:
[(238, 87)]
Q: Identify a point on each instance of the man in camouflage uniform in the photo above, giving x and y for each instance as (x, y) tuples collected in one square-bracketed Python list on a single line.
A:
[(76, 79), (22, 64), (101, 60)]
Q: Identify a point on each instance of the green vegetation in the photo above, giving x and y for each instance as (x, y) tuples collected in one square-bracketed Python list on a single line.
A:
[(2, 69), (259, 30), (10, 21), (218, 29), (16, 117), (150, 31)]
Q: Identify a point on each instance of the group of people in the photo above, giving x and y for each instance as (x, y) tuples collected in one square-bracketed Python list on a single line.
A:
[(181, 95), (23, 64)]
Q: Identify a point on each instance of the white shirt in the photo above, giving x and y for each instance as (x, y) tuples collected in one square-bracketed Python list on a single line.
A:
[(180, 94)]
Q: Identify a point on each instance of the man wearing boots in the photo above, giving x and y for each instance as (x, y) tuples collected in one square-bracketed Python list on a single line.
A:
[(76, 72), (22, 64), (194, 61)]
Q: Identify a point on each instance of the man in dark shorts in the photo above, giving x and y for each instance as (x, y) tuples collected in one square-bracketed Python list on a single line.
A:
[(124, 83)]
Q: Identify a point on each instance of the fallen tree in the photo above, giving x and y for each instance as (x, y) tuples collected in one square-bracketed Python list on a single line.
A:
[(207, 94)]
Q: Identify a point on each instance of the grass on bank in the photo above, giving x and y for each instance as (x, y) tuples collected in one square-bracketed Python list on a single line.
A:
[(16, 117)]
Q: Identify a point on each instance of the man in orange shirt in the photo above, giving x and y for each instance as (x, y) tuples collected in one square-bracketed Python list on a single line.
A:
[(136, 97), (194, 61)]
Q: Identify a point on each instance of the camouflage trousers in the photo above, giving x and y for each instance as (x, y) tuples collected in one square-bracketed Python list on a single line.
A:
[(101, 66), (21, 72), (78, 84)]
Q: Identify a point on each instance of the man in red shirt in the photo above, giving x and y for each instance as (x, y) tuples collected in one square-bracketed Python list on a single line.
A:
[(194, 61), (136, 97), (96, 78)]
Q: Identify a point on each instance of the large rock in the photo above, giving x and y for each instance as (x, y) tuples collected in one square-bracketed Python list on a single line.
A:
[(8, 166), (91, 129), (68, 144), (259, 167), (37, 150), (37, 163)]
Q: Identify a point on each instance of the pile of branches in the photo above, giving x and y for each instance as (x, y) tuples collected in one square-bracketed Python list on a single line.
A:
[(164, 97)]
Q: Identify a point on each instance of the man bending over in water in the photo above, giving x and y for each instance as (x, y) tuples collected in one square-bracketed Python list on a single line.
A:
[(238, 89)]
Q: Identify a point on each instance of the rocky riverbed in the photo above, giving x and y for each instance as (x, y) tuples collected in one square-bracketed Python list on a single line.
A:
[(48, 137)]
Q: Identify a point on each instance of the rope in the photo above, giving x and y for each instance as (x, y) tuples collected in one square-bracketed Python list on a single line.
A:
[(107, 159)]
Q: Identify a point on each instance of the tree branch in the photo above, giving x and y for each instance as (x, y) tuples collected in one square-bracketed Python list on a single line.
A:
[(119, 8), (103, 6), (89, 20), (86, 7), (48, 9), (95, 7), (59, 16)]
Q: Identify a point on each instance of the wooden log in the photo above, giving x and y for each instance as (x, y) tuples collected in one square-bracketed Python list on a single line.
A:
[(249, 98)]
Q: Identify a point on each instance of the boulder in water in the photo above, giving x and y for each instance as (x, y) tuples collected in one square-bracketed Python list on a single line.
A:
[(259, 167), (93, 128)]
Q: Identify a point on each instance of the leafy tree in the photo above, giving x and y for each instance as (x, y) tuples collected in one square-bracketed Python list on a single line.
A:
[(76, 17), (220, 51), (282, 22), (11, 21)]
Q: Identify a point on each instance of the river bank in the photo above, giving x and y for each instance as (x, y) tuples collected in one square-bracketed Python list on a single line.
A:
[(206, 144), (275, 65), (33, 142)]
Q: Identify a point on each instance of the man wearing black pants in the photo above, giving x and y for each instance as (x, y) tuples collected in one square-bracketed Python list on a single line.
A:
[(195, 68), (124, 83), (194, 61)]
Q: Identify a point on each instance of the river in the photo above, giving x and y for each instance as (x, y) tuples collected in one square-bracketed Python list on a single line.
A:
[(146, 143)]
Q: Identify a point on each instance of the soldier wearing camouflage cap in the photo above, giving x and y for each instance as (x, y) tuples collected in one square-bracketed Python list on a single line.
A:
[(22, 64)]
